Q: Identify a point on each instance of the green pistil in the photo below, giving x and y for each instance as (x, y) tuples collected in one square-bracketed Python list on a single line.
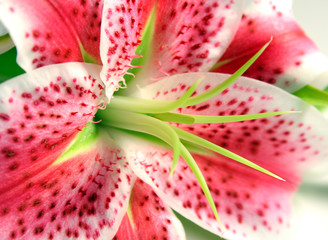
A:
[(142, 123)]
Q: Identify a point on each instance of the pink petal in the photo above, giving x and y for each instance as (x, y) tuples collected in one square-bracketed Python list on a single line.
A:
[(85, 18), (40, 113), (122, 24), (290, 62), (191, 35), (84, 197), (48, 32), (150, 218), (251, 205)]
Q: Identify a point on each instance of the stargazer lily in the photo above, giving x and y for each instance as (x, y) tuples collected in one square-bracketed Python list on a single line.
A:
[(66, 177)]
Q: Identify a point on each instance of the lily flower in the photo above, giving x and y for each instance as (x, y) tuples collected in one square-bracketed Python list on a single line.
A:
[(66, 177)]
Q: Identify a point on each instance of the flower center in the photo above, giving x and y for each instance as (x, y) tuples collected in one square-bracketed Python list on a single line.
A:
[(151, 117)]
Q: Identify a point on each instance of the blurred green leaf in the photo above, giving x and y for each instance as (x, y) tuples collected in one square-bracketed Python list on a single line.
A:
[(313, 95), (8, 66)]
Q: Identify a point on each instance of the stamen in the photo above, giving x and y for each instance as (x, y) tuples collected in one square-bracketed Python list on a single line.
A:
[(190, 119), (227, 83), (176, 118), (211, 146), (96, 121), (222, 63), (151, 106), (201, 180)]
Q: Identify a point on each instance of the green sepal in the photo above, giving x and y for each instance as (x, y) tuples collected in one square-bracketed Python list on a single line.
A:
[(86, 56), (130, 215), (82, 143)]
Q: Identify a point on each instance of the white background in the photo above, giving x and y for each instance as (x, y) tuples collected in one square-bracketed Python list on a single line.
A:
[(313, 17)]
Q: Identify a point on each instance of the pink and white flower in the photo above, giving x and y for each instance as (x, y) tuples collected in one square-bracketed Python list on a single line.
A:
[(66, 177)]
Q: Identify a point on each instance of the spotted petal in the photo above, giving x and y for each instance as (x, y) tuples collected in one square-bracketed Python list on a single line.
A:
[(47, 32), (85, 18), (84, 197), (290, 62), (83, 193), (40, 113), (122, 25), (190, 35), (148, 217), (251, 205)]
